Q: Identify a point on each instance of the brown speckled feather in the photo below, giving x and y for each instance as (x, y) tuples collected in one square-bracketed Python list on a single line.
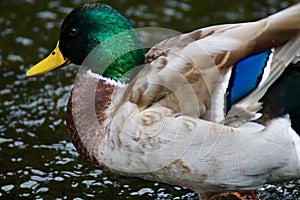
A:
[(89, 97)]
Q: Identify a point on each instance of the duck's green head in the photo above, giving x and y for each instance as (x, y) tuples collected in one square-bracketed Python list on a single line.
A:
[(98, 36)]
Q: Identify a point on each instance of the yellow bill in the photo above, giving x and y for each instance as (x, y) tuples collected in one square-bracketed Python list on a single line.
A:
[(53, 61)]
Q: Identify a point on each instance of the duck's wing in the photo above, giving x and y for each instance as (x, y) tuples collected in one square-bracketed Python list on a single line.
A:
[(186, 72), (247, 108)]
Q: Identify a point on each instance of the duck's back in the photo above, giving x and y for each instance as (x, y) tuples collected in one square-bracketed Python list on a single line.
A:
[(187, 73)]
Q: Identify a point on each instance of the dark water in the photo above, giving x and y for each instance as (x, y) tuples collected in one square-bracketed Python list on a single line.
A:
[(37, 160)]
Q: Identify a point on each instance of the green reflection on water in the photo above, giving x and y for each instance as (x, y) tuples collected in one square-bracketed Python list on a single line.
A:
[(37, 159)]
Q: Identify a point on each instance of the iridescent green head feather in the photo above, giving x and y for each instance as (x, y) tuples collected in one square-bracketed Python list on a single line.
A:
[(93, 24), (98, 36)]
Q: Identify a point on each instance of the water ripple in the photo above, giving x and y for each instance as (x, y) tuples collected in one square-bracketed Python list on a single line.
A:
[(46, 15), (38, 161)]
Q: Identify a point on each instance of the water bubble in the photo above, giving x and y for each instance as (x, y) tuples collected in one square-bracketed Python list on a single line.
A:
[(15, 58), (7, 188), (42, 189), (58, 178), (7, 32), (46, 15), (53, 4), (24, 41), (3, 140), (28, 184)]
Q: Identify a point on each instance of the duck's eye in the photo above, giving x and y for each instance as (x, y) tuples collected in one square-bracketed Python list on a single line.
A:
[(73, 32)]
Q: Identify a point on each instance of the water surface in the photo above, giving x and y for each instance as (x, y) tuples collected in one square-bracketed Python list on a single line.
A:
[(37, 160)]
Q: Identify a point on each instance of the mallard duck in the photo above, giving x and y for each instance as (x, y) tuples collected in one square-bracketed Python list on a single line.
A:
[(215, 110)]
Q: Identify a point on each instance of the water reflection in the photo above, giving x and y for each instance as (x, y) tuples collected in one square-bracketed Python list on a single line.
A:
[(37, 159)]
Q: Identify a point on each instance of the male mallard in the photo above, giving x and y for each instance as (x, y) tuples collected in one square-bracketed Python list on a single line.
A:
[(193, 115)]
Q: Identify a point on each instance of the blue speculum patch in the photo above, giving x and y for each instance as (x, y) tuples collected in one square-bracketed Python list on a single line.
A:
[(246, 76)]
